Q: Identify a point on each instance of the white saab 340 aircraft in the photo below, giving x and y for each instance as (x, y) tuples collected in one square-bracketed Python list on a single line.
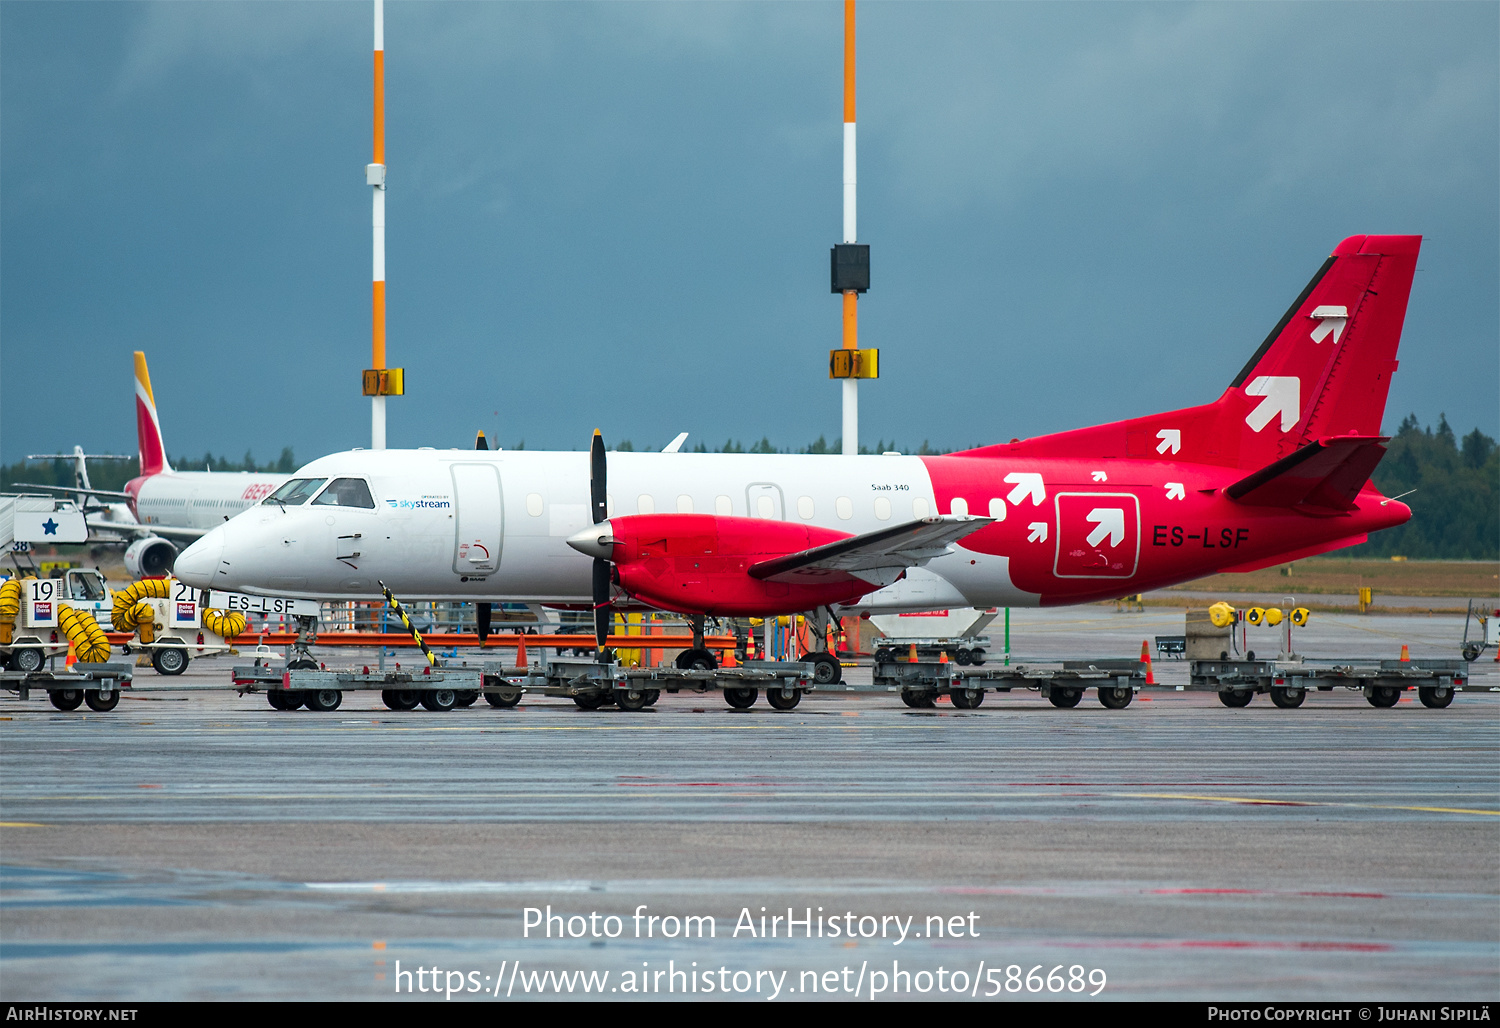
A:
[(1275, 469)]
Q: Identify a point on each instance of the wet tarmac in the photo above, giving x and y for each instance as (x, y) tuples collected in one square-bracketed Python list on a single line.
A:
[(201, 845)]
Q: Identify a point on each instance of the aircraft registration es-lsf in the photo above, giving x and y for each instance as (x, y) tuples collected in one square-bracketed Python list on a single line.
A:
[(1275, 469)]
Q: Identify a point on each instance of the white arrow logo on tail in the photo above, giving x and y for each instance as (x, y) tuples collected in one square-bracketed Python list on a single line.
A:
[(1176, 491), (1171, 439), (1330, 319), (1100, 476), (1110, 522), (1282, 396), (1026, 482), (1038, 532)]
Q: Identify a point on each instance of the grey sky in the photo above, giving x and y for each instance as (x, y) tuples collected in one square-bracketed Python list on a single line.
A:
[(619, 215)]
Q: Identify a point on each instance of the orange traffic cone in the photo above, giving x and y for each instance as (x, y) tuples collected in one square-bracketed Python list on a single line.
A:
[(942, 656), (728, 658), (1405, 653), (521, 650), (1146, 656), (911, 657), (71, 658)]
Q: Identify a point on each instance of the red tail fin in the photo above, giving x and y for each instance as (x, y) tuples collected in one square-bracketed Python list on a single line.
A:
[(1324, 371), (148, 429)]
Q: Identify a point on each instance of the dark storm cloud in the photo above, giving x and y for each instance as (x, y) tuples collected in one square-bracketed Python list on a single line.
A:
[(619, 214)]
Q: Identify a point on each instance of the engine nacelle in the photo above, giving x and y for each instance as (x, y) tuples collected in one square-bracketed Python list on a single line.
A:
[(699, 563), (150, 557)]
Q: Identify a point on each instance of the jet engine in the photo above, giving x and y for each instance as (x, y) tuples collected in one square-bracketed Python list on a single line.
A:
[(150, 557)]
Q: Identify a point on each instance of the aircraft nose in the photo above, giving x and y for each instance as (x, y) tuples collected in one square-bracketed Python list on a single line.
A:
[(595, 541), (196, 565)]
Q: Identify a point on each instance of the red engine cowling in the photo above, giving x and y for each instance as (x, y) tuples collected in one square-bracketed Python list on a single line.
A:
[(699, 564)]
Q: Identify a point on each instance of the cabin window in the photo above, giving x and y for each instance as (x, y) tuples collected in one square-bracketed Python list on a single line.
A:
[(997, 509), (882, 508), (959, 505), (765, 506), (346, 492), (723, 506), (919, 508), (805, 507), (644, 504), (684, 504), (844, 508), (295, 492), (534, 504)]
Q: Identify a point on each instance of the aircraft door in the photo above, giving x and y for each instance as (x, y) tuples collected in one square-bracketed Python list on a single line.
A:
[(1098, 535), (478, 519), (763, 500)]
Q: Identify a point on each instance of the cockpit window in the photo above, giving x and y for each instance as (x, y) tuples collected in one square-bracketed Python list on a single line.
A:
[(295, 492), (85, 586), (346, 492)]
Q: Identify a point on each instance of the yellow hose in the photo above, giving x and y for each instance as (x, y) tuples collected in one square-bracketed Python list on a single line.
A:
[(143, 617), (10, 606), (227, 623), (89, 642), (127, 610)]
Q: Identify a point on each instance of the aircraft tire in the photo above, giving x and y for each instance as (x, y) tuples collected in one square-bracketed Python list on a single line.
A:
[(696, 660), (66, 699), (1435, 696)]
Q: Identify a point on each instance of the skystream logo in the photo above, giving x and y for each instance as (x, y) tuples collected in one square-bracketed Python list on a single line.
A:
[(423, 504)]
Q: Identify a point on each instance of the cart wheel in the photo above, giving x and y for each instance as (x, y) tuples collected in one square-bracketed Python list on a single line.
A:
[(1384, 696), (826, 668), (323, 700), (972, 698), (696, 660), (882, 656), (439, 700), (976, 657), (27, 660), (919, 700), (1064, 697), (276, 698), (589, 701), (961, 658), (1286, 699), (66, 699), (170, 660), (1116, 697), (630, 699), (401, 699), (1236, 697), (740, 699), (465, 697), (778, 699), (652, 695), (96, 701), (505, 699), (1472, 651), (1435, 696)]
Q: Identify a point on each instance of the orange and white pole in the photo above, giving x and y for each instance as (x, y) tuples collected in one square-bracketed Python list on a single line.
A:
[(851, 235), (375, 177)]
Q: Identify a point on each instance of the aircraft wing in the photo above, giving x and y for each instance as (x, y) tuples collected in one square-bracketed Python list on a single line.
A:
[(879, 557), (135, 530), (72, 490)]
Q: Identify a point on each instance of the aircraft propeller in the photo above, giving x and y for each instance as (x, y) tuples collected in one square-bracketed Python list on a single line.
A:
[(599, 511)]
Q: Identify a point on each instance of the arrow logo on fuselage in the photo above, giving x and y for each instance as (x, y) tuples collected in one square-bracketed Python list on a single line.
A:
[(1171, 439), (1176, 491), (1038, 532), (1282, 395), (1109, 521), (1330, 319), (1026, 483)]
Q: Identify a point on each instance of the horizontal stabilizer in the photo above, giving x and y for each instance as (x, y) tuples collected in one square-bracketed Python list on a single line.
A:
[(73, 490), (878, 556), (1326, 473)]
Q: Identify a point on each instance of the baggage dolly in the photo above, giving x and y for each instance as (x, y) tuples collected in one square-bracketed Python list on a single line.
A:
[(98, 685), (1288, 682)]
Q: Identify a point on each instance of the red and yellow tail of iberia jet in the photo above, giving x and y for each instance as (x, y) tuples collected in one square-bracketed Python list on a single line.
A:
[(147, 425)]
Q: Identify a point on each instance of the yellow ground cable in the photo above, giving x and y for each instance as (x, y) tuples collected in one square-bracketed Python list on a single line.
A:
[(227, 623), (126, 609), (88, 639), (10, 606)]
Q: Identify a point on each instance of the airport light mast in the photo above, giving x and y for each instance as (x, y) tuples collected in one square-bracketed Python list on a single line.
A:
[(850, 267), (379, 381)]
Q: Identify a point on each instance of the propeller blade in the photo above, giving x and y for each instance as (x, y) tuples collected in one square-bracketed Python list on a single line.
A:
[(603, 612), (598, 482), (479, 441), (482, 616)]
